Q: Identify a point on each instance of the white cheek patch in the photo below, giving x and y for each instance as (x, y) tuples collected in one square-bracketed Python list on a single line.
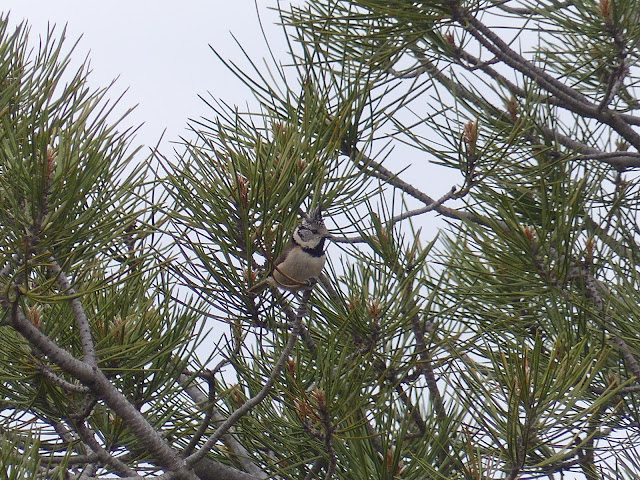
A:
[(304, 238), (305, 235)]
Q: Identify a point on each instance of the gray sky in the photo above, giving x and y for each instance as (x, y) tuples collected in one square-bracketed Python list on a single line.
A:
[(158, 51), (161, 54)]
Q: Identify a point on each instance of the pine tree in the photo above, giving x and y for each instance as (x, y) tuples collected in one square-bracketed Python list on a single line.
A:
[(504, 346)]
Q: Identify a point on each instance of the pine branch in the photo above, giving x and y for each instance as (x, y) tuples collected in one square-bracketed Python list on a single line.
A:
[(261, 395), (103, 389), (228, 439), (50, 375), (87, 436), (79, 314), (619, 160), (369, 166), (570, 98), (403, 216)]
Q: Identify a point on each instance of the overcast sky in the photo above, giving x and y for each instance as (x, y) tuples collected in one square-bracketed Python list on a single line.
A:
[(158, 50), (161, 53)]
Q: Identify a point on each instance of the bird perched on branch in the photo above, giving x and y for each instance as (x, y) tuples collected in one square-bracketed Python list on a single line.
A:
[(302, 259)]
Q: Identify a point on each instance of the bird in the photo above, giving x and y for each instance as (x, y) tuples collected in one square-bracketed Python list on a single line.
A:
[(302, 260)]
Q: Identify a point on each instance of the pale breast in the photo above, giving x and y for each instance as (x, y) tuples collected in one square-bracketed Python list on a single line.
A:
[(300, 267)]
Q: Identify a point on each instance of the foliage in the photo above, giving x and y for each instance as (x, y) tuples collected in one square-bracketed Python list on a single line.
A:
[(505, 346)]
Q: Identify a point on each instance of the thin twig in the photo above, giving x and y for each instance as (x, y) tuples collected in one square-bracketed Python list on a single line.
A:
[(7, 268), (327, 436), (227, 359), (615, 84), (318, 465), (291, 317), (413, 410), (363, 162), (88, 472), (426, 367), (498, 47), (206, 421), (228, 439), (414, 72), (475, 63), (73, 460), (49, 374), (620, 72), (261, 395), (87, 437), (403, 216), (619, 160), (594, 290)]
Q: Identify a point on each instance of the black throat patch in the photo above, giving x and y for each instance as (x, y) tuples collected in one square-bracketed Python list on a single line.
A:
[(316, 251)]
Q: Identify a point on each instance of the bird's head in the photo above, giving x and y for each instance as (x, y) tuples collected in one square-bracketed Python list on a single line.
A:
[(311, 232)]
